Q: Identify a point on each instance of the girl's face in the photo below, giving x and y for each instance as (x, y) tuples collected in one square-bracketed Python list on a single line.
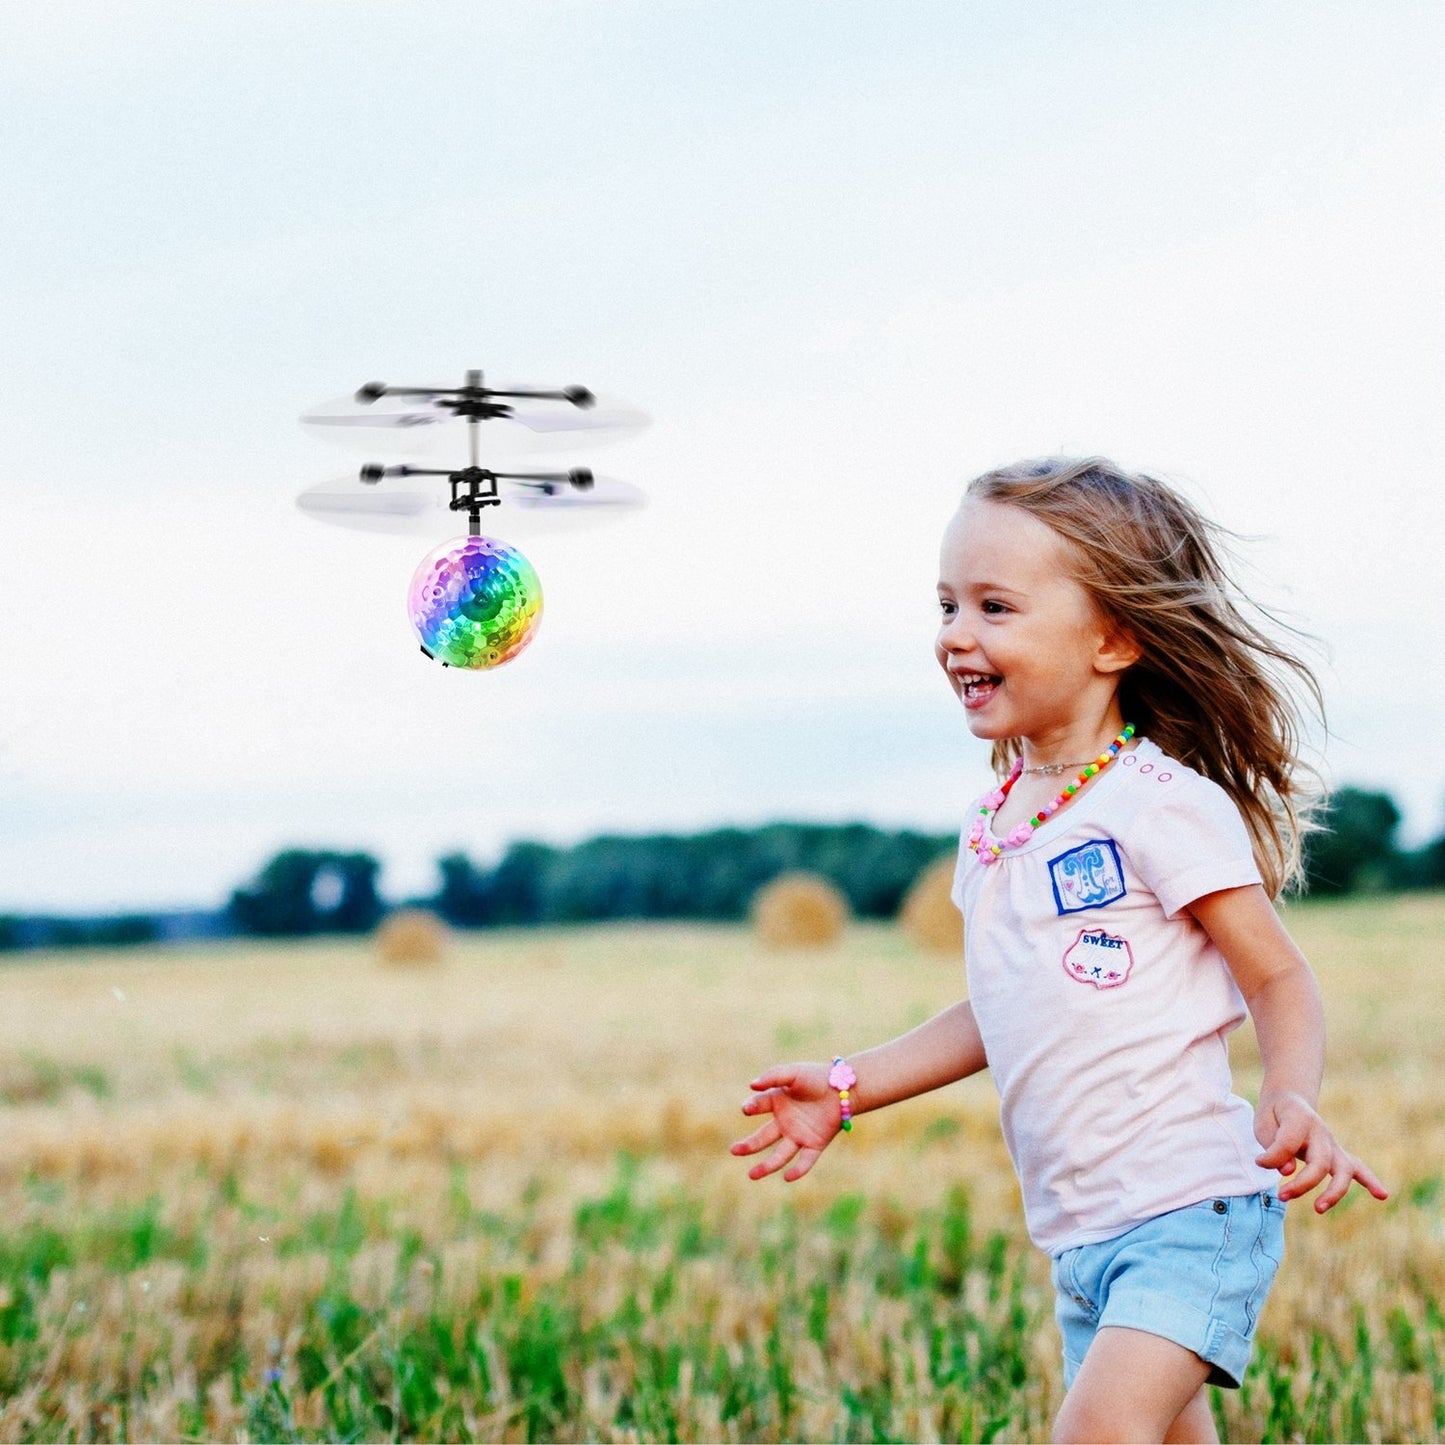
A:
[(1025, 649)]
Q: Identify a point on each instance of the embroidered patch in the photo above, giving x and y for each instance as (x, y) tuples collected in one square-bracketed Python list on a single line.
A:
[(1102, 959), (1088, 876)]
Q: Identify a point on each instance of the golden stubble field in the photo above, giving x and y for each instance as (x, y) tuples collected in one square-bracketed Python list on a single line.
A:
[(524, 1066)]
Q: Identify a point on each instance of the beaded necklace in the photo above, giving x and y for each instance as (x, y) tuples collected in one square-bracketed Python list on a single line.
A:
[(991, 851)]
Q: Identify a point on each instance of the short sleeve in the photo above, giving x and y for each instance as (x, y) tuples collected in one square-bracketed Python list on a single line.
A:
[(1192, 841)]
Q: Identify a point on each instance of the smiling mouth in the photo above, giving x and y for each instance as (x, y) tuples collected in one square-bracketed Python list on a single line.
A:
[(977, 687)]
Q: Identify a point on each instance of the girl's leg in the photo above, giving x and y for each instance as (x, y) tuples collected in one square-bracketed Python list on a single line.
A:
[(1195, 1422), (1135, 1386)]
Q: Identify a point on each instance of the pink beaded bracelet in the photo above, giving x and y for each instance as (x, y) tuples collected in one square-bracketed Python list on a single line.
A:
[(842, 1078)]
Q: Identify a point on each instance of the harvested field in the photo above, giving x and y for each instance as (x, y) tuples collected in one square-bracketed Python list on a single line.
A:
[(284, 1191)]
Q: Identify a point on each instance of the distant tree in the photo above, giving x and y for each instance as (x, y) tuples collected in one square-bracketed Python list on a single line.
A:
[(465, 897), (604, 878), (1422, 867), (1355, 847), (125, 930), (357, 907), (301, 892), (12, 933), (722, 870), (1432, 864), (518, 884), (61, 933)]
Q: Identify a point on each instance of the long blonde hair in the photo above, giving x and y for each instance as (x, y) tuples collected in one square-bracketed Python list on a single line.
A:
[(1212, 687)]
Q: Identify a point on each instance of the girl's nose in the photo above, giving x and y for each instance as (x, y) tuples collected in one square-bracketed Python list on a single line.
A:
[(955, 635)]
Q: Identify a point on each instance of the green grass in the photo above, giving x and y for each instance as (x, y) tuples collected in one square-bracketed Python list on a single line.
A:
[(643, 1315), (621, 1334), (35, 1079)]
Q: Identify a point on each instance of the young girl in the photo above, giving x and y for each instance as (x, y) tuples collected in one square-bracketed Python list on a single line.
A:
[(1116, 892)]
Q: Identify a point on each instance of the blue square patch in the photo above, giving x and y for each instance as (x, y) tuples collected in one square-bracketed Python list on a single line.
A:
[(1089, 876)]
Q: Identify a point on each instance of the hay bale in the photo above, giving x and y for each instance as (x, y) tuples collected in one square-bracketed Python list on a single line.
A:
[(928, 916), (411, 938), (799, 910)]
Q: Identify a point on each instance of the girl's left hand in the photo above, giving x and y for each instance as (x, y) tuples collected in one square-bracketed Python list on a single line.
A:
[(1290, 1130)]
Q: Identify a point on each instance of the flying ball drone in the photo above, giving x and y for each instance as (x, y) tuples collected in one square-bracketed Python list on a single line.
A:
[(474, 601)]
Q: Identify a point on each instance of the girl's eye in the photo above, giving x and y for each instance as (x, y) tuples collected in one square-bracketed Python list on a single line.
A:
[(993, 609), (946, 607)]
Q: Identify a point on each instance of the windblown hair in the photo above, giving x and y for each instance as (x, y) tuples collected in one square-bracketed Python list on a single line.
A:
[(1212, 687)]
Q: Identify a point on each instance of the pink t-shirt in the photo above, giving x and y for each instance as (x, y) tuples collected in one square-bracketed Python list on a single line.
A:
[(1104, 1006)]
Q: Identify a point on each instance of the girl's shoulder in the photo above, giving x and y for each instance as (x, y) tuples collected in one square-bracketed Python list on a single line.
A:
[(1153, 786), (1182, 832)]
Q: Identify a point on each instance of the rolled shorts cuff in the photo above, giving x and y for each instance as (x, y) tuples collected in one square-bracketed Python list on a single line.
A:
[(1223, 1349)]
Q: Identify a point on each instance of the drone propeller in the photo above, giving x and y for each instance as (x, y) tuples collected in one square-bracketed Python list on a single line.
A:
[(400, 499), (473, 398), (430, 420)]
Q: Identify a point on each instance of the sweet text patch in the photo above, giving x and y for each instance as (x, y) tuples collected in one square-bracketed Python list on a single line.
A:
[(1102, 959)]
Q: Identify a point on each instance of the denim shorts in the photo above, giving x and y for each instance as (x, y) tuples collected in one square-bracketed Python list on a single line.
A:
[(1197, 1276)]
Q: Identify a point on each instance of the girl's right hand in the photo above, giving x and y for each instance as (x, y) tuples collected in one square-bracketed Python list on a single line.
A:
[(804, 1115)]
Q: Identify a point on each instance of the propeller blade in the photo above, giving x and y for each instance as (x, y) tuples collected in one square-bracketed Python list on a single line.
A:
[(415, 507), (427, 426)]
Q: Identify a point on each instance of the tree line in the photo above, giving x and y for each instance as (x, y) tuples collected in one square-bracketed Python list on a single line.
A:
[(704, 876), (710, 876)]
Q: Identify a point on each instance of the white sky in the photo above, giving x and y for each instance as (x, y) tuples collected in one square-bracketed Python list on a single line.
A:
[(847, 255)]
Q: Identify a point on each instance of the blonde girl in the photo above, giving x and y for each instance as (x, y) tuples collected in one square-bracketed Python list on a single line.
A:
[(1117, 894)]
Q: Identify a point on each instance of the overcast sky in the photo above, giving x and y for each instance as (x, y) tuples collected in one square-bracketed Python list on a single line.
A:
[(846, 254)]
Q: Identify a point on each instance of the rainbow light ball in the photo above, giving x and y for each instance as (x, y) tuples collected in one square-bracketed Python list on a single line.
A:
[(475, 602)]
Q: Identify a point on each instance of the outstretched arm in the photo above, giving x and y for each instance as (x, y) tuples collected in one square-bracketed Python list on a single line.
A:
[(1284, 1002), (803, 1111)]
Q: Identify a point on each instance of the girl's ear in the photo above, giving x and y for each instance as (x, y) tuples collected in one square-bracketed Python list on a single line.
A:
[(1118, 649)]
